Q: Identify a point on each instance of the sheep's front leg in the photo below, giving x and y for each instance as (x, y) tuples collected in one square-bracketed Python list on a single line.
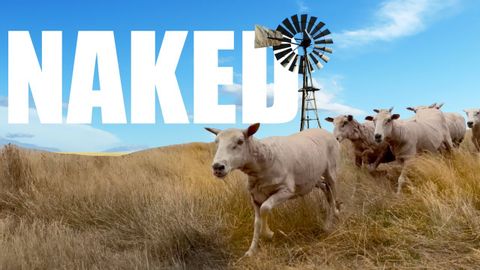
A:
[(402, 178), (476, 143), (380, 158), (266, 232), (366, 157), (264, 229), (262, 213), (257, 226)]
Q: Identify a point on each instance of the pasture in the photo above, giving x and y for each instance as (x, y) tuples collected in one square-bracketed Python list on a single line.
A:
[(162, 208)]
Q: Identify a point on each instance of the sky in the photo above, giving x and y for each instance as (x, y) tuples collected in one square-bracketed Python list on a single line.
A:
[(386, 53)]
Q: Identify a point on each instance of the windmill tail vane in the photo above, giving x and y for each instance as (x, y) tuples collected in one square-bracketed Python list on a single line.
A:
[(299, 44), (265, 37)]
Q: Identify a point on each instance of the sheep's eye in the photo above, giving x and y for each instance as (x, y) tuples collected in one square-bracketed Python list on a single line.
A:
[(240, 142), (345, 123), (389, 120)]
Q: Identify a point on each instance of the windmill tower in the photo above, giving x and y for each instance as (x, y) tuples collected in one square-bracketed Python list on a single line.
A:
[(300, 46)]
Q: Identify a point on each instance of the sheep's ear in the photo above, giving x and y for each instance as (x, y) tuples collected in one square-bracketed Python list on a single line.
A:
[(213, 130), (411, 109), (395, 116), (369, 118), (329, 119), (350, 117), (252, 129), (439, 106), (375, 110), (391, 109)]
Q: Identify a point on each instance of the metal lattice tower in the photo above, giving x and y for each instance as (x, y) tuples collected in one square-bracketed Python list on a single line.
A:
[(298, 42), (309, 103), (309, 111)]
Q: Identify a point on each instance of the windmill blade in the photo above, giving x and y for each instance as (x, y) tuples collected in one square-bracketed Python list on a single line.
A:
[(301, 67), (309, 36), (282, 46), (293, 66), (315, 60), (296, 23), (287, 59), (322, 56), (284, 31), (325, 58), (324, 41), (287, 40), (303, 20), (322, 34), (265, 37), (324, 49), (281, 54), (311, 22), (289, 26), (318, 27)]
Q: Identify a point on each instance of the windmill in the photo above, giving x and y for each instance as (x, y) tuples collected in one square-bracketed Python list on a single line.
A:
[(300, 45)]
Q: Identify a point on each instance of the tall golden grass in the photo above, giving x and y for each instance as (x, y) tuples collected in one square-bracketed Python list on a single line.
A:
[(162, 208)]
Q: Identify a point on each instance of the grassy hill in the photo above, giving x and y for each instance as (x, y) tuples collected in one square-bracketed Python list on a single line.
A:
[(162, 208)]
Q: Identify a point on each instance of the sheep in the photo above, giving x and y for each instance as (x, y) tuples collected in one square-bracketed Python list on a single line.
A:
[(407, 138), (455, 123), (279, 169), (367, 151), (474, 123)]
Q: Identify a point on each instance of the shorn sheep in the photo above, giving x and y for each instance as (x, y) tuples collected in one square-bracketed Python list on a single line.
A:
[(427, 133), (367, 151), (279, 169)]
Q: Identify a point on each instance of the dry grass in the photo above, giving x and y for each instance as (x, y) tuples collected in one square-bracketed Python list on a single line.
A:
[(162, 208)]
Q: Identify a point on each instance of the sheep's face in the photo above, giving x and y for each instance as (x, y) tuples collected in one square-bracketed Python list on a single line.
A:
[(343, 127), (383, 122), (232, 149), (473, 117)]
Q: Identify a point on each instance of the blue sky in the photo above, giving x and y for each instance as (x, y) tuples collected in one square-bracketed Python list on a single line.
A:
[(386, 53)]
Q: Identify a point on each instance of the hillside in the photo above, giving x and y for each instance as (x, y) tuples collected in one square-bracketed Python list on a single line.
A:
[(162, 208)]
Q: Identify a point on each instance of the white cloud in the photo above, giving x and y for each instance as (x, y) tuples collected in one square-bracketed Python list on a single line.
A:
[(326, 102), (327, 98), (19, 135), (66, 137), (302, 7), (395, 19), (235, 88)]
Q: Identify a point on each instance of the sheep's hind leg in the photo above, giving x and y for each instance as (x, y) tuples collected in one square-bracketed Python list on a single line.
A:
[(330, 193)]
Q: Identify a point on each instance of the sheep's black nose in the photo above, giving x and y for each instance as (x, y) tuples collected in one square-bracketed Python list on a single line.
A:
[(470, 124), (378, 136), (218, 167)]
